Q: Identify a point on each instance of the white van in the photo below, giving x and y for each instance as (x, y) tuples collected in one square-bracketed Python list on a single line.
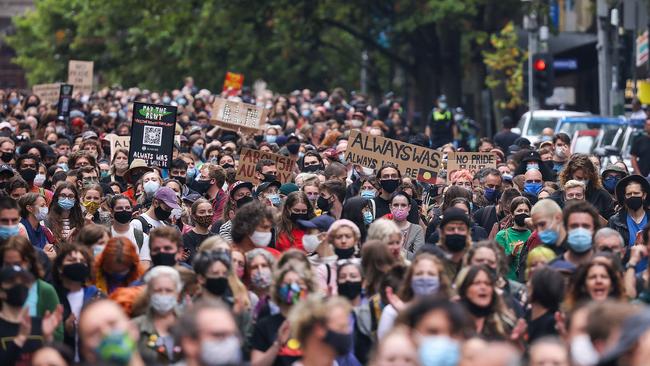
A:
[(531, 127)]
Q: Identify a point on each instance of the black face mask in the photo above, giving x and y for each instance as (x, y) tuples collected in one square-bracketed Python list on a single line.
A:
[(344, 253), (7, 156), (180, 179), (161, 213), (312, 168), (295, 217), (123, 217), (163, 259), (340, 342), (389, 185), (28, 174), (323, 204), (244, 200), (227, 165), (475, 310), (77, 272), (200, 186), (634, 203), (455, 242), (269, 178), (350, 290), (217, 285), (520, 219), (17, 295), (293, 148)]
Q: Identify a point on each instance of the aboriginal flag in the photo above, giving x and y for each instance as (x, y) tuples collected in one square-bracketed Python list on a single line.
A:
[(427, 176)]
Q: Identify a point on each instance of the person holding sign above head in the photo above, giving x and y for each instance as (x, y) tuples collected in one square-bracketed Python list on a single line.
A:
[(390, 179)]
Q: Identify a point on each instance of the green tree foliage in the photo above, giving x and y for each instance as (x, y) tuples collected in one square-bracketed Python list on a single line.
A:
[(290, 44)]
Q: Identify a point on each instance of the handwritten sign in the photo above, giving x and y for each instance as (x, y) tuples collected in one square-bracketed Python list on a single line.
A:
[(233, 82), (413, 161), (80, 74), (238, 116), (118, 142), (48, 93), (472, 161), (248, 159), (152, 134)]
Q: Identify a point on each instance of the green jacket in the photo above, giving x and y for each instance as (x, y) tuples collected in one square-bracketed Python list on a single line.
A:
[(48, 300)]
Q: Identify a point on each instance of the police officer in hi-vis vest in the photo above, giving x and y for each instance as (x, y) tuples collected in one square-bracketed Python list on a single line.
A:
[(441, 128)]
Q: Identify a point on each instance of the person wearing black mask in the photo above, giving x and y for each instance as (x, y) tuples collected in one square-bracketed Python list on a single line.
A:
[(293, 146), (178, 171), (27, 166), (164, 201), (209, 184), (166, 245), (7, 150), (70, 274), (390, 179), (266, 171), (241, 193), (201, 213), (311, 162), (22, 334), (122, 213), (349, 283), (455, 240), (213, 273), (631, 193), (332, 194)]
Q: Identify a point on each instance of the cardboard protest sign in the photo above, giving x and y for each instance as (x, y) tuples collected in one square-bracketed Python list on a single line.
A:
[(63, 106), (472, 161), (233, 82), (80, 74), (238, 116), (48, 93), (413, 161), (118, 142), (248, 158), (152, 134)]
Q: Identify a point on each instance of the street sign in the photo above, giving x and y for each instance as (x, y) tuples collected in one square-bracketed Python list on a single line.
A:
[(642, 49), (563, 64)]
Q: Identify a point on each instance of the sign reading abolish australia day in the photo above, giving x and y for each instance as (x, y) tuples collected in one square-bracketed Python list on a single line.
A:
[(413, 161), (152, 134)]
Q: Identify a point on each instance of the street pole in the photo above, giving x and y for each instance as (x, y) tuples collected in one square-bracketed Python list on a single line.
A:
[(603, 57), (364, 72), (530, 24)]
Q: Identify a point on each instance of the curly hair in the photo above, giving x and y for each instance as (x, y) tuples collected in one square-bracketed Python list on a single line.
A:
[(459, 174), (57, 265), (578, 288), (248, 218), (577, 162)]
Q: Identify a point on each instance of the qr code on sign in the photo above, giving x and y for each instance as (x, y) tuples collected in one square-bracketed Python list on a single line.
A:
[(152, 136)]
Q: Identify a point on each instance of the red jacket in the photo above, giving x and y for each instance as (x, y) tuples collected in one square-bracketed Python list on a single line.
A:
[(283, 243)]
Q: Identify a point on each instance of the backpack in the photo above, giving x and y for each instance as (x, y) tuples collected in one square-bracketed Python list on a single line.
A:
[(146, 226), (139, 236)]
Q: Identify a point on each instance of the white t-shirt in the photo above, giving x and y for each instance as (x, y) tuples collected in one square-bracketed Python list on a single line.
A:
[(153, 222), (76, 300), (130, 234)]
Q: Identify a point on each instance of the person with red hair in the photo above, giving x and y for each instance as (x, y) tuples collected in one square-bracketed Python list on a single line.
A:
[(117, 266), (462, 178)]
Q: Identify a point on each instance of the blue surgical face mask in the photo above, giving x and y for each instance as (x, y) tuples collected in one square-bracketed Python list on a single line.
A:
[(198, 150), (63, 166), (490, 194), (191, 173), (438, 351), (367, 217), (549, 236), (274, 198), (66, 203), (610, 183), (579, 240), (270, 138), (425, 285), (7, 231), (532, 166), (368, 193), (532, 188), (442, 105)]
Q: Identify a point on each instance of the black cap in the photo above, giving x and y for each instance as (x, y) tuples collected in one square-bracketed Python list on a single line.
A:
[(454, 214), (532, 155), (9, 272), (6, 169), (264, 185), (323, 222)]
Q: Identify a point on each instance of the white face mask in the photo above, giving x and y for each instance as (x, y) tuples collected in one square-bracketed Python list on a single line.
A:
[(261, 239), (41, 214), (222, 352), (39, 179), (583, 352), (151, 187), (310, 243)]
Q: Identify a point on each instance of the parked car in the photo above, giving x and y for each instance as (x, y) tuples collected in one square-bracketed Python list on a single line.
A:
[(530, 125), (590, 132)]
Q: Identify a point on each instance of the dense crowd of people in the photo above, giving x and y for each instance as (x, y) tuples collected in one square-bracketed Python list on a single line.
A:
[(540, 260)]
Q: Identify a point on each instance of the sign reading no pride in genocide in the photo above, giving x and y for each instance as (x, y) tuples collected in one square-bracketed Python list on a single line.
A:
[(152, 134), (80, 74), (238, 116), (472, 161), (413, 161), (248, 159)]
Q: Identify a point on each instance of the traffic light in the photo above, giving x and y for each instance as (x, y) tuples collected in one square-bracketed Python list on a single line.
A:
[(543, 75)]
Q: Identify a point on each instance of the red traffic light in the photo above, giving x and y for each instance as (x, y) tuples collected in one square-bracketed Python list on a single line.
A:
[(539, 65)]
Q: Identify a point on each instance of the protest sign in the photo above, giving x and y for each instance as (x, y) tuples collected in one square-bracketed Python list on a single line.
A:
[(118, 142), (233, 82), (80, 74), (48, 93), (413, 161), (152, 134), (472, 161), (63, 106), (238, 116), (248, 159)]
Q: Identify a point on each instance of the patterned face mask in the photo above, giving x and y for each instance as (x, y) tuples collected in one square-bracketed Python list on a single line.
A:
[(291, 293)]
